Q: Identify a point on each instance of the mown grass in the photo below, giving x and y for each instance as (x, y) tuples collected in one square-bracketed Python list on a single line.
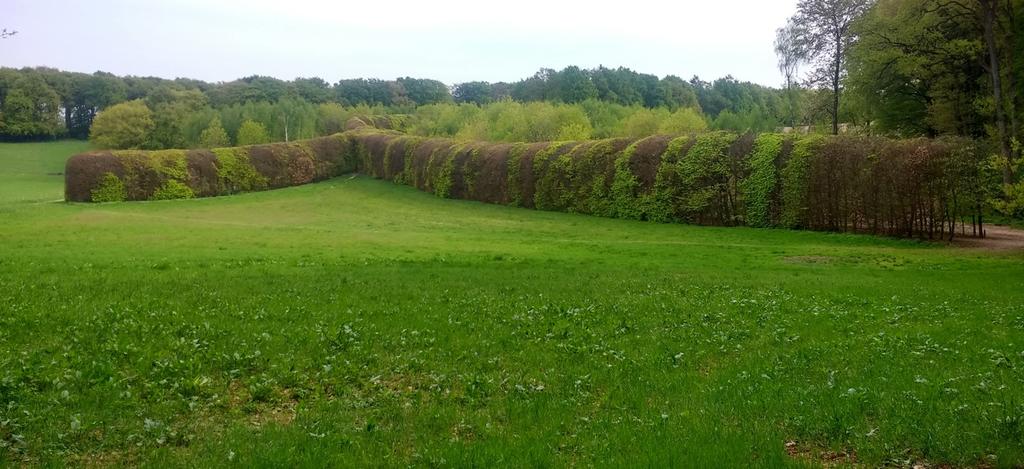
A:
[(33, 172), (355, 322)]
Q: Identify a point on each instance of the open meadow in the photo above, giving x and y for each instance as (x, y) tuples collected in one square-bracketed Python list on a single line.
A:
[(360, 323)]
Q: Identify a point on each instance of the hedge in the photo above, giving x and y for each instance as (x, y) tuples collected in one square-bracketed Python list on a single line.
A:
[(913, 188), (175, 174)]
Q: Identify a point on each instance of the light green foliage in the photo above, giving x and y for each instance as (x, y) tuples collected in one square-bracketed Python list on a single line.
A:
[(682, 121), (251, 133), (236, 172), (214, 136), (704, 176), (125, 125), (509, 121), (443, 182), (625, 187), (794, 181), (110, 189), (515, 182), (667, 182), (172, 189), (170, 163), (759, 186), (550, 173)]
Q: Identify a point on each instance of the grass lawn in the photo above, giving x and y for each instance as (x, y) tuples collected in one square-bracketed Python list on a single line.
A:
[(34, 172), (356, 322)]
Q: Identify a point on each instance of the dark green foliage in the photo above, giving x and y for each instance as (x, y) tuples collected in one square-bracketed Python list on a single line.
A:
[(794, 181)]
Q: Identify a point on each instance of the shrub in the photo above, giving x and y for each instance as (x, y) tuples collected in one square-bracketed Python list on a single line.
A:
[(110, 189), (704, 180), (236, 173), (759, 186), (794, 181), (172, 189)]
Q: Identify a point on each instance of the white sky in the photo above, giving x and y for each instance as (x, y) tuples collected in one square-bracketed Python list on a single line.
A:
[(449, 40)]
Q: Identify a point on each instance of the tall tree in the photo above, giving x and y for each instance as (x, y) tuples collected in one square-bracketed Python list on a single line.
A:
[(789, 64), (822, 34)]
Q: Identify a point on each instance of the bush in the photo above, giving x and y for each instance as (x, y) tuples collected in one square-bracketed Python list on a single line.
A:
[(110, 189), (124, 125), (172, 189), (760, 185), (794, 182)]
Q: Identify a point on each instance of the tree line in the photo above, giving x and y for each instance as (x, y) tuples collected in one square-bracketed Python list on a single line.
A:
[(45, 103)]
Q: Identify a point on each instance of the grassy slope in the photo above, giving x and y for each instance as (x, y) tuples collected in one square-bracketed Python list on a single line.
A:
[(354, 321), (35, 171)]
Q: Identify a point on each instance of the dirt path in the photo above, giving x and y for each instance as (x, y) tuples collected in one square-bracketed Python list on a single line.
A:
[(997, 238)]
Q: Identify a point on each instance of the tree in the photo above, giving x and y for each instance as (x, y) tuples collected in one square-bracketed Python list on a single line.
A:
[(31, 109), (214, 136), (786, 47), (252, 133), (125, 125), (90, 94), (331, 118), (477, 92), (821, 34)]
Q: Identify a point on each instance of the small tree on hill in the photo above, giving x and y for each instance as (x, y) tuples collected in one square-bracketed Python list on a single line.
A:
[(252, 133), (214, 136)]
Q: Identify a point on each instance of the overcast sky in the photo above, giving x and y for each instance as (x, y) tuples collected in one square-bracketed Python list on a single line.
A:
[(449, 40)]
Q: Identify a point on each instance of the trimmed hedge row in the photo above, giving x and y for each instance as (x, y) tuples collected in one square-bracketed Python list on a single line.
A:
[(107, 176), (913, 188)]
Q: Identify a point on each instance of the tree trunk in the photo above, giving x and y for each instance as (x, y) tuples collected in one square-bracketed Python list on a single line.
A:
[(836, 70), (989, 25)]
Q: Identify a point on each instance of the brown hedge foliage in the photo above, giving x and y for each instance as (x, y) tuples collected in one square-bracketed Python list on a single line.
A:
[(84, 172), (857, 184), (912, 188), (211, 172)]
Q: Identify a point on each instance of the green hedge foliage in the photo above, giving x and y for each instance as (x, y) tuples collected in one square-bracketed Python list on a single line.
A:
[(179, 174), (918, 188)]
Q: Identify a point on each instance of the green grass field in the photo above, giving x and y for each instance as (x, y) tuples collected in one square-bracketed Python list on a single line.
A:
[(355, 322)]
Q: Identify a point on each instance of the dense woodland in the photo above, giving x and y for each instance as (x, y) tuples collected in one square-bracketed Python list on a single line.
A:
[(901, 68)]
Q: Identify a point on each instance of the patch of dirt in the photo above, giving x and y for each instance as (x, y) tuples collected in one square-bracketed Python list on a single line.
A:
[(997, 238), (825, 458), (807, 259)]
